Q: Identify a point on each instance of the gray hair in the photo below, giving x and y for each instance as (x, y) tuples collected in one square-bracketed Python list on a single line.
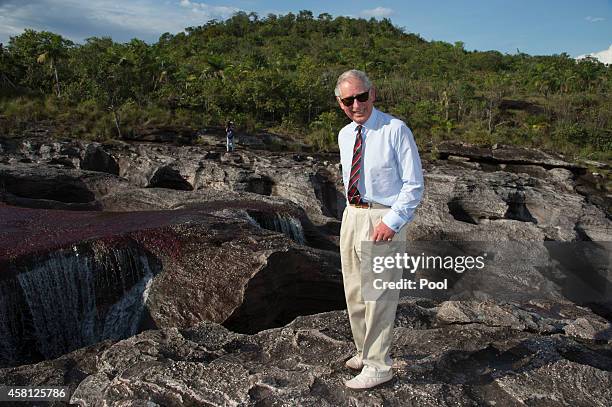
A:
[(352, 74)]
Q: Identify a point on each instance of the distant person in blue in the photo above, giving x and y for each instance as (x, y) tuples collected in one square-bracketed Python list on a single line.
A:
[(229, 135), (383, 181)]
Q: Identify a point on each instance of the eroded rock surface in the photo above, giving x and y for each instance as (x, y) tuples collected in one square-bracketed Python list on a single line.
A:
[(510, 188), (446, 354), (249, 240), (63, 269)]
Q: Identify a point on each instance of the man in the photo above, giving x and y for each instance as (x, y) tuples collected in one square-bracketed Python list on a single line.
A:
[(383, 180), (229, 134)]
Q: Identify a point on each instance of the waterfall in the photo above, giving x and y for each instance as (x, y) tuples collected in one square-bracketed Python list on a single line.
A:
[(279, 222), (290, 226), (10, 327), (74, 298)]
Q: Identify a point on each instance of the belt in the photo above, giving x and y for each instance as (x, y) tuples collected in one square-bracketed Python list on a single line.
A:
[(368, 205)]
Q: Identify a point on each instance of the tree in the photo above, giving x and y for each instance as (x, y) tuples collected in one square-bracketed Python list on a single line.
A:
[(279, 71), (494, 89), (6, 65), (106, 69), (44, 48)]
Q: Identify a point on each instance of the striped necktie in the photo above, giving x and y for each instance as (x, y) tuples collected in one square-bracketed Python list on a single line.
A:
[(354, 197)]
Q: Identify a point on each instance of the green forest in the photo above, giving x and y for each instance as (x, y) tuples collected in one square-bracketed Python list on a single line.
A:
[(277, 74)]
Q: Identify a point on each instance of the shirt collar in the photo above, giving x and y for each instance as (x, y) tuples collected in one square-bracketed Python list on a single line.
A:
[(370, 123)]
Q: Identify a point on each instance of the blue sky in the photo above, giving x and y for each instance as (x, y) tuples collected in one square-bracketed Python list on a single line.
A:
[(535, 27)]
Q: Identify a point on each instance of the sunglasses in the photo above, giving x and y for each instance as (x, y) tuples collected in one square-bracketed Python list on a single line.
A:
[(362, 97)]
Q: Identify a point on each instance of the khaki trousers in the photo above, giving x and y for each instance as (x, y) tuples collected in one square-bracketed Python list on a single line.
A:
[(371, 321)]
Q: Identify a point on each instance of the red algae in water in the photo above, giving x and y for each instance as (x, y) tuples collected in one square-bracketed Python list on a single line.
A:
[(26, 231)]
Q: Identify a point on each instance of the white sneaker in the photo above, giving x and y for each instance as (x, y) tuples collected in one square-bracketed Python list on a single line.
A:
[(355, 363), (367, 380)]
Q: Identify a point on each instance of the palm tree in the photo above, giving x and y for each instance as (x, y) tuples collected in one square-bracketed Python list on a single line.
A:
[(47, 58), (56, 48)]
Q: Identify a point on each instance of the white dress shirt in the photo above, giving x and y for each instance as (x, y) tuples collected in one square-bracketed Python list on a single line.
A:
[(391, 171)]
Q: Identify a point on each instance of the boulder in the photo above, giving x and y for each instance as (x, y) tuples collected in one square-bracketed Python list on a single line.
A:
[(97, 158), (54, 187)]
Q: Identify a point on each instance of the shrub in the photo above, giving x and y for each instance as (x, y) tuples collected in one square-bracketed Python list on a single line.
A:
[(323, 134)]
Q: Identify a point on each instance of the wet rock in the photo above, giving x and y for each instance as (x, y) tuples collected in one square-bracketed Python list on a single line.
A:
[(222, 269)]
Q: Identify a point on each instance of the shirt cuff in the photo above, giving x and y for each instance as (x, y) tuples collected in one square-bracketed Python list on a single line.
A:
[(393, 221)]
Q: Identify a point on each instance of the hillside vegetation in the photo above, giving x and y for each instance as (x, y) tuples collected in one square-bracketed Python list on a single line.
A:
[(278, 73)]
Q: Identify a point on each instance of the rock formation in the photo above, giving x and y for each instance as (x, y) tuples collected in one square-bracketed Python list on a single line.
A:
[(446, 354), (137, 272)]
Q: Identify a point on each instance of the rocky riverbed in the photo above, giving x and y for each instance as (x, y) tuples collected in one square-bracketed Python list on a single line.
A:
[(149, 272)]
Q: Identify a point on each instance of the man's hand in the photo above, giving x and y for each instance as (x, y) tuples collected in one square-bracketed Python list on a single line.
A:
[(382, 233)]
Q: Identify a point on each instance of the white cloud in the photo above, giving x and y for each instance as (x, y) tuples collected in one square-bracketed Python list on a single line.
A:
[(122, 20), (211, 10), (378, 12), (591, 19), (604, 56)]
